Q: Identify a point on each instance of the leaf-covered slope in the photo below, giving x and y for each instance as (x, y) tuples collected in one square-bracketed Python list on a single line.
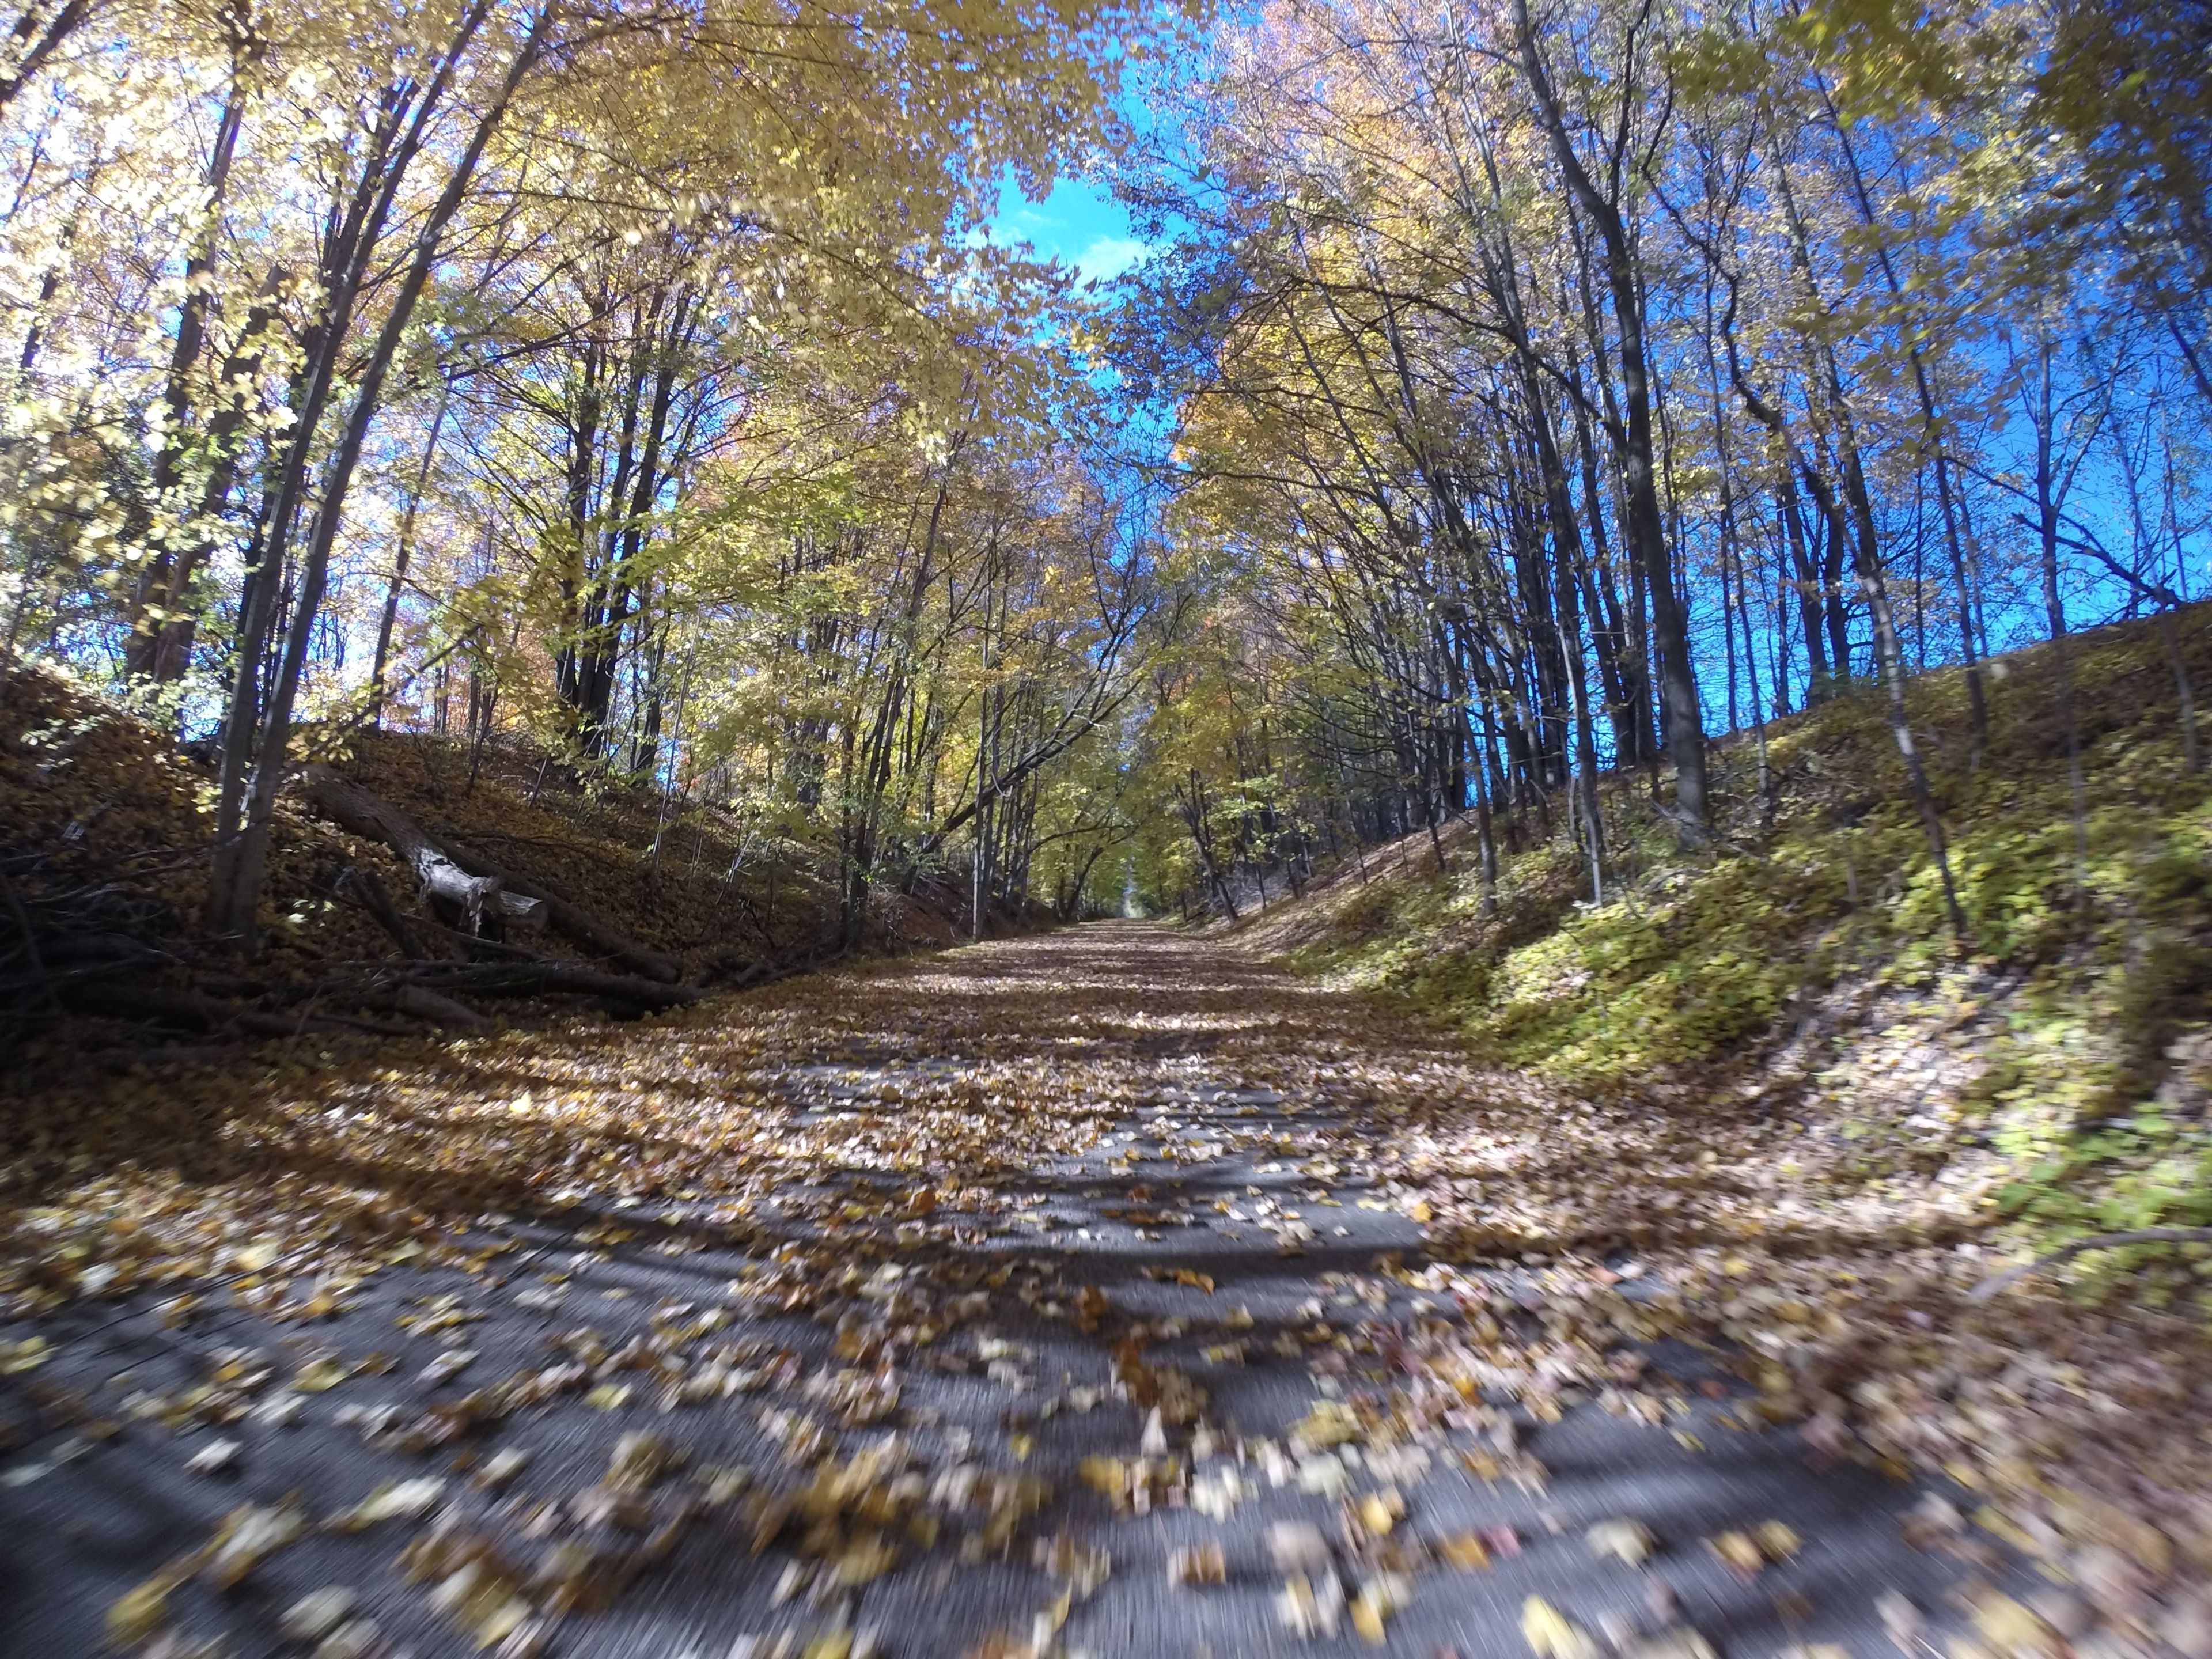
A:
[(1806, 965), (106, 837)]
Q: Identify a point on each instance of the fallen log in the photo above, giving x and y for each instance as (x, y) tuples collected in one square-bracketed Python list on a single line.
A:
[(188, 1011), (461, 871), (121, 1060), (477, 950), (412, 1001), (352, 807), (732, 972), (579, 925), (194, 1011), (526, 979), (377, 903), (421, 1002)]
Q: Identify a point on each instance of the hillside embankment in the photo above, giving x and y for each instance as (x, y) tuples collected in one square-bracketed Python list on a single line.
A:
[(1797, 977), (418, 885)]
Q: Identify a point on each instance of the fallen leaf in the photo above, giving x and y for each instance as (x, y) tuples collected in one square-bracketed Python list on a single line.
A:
[(1777, 1540), (1549, 1634), (1463, 1550), (1379, 1511), (356, 1639), (218, 1458), (316, 1615), (1298, 1546), (1738, 1552), (17, 1357), (1311, 1607), (1379, 1597), (399, 1500), (1630, 1541), (319, 1376), (1198, 1563), (139, 1611), (246, 1537)]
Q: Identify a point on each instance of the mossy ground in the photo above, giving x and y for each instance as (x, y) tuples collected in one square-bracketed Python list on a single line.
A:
[(2065, 1030)]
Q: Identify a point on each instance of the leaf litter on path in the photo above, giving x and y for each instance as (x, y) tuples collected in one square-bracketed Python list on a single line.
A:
[(828, 1284)]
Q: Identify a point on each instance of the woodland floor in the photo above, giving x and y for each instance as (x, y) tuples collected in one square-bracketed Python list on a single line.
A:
[(938, 1299)]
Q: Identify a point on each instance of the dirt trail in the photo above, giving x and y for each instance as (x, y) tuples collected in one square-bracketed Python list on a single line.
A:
[(962, 1300)]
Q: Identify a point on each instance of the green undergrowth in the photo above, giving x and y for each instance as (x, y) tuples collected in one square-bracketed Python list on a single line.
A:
[(2071, 1017)]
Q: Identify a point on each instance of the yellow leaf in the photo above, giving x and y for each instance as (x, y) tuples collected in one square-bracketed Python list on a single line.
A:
[(1739, 1552), (1628, 1540), (2010, 1626), (1367, 1619), (17, 1357), (1378, 1514), (1463, 1550), (319, 1376), (138, 1613), (1550, 1635), (502, 1621), (1200, 1564), (867, 1558)]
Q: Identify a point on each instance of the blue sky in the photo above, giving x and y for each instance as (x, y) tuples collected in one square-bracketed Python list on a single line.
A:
[(1078, 223)]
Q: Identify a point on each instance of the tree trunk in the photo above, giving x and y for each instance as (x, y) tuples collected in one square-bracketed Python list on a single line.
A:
[(389, 620), (256, 740), (1678, 686)]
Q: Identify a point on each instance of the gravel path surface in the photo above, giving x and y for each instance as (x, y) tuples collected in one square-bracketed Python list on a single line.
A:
[(971, 1300)]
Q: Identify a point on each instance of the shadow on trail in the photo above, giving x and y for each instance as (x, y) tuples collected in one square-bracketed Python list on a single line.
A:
[(759, 1160)]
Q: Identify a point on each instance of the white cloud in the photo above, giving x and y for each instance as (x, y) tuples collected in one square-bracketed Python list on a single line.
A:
[(1109, 256), (1027, 222)]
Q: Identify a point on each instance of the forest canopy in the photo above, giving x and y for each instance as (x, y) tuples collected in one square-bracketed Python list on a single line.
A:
[(1512, 395)]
